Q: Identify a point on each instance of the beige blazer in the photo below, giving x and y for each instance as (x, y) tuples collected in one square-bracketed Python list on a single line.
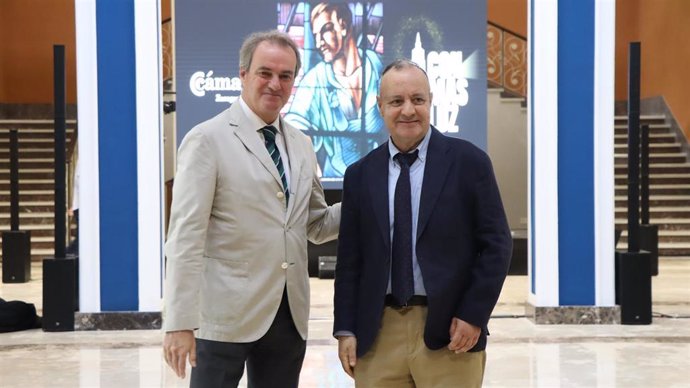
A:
[(232, 243)]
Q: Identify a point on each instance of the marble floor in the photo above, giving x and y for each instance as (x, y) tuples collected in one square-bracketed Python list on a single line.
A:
[(520, 354)]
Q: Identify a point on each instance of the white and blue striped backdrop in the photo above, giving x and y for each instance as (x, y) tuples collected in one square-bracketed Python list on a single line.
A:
[(570, 125), (120, 151)]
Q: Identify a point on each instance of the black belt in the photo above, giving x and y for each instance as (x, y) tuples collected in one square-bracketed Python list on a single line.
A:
[(415, 300)]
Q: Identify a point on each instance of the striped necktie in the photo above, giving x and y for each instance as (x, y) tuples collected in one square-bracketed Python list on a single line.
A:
[(270, 143)]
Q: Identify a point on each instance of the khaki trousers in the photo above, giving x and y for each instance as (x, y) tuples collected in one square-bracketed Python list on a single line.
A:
[(399, 358)]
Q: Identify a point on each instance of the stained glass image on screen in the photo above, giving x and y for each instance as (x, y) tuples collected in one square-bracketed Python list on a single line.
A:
[(344, 46), (334, 99)]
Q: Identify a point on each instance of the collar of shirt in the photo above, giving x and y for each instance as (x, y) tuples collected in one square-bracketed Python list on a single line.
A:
[(422, 147), (255, 120)]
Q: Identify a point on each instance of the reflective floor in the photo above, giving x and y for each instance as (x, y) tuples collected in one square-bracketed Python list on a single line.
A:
[(520, 354)]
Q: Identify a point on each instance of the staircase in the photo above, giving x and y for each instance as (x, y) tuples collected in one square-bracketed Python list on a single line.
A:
[(36, 181), (669, 185)]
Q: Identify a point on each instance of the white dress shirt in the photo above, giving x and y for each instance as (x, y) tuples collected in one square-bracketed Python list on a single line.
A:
[(258, 124)]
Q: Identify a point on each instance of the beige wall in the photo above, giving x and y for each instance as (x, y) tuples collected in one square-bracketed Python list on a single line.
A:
[(662, 27), (165, 9), (29, 29), (510, 14), (3, 74), (507, 147)]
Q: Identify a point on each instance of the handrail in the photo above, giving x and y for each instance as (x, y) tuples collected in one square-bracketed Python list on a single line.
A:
[(71, 161), (72, 142), (167, 49), (506, 59), (506, 30)]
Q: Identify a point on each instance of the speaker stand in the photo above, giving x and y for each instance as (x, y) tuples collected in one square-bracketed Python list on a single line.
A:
[(649, 241)]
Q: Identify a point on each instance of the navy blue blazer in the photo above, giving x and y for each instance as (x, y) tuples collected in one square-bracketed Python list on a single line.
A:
[(463, 242)]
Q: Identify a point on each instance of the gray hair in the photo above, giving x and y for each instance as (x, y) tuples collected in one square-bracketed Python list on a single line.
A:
[(403, 63), (275, 37)]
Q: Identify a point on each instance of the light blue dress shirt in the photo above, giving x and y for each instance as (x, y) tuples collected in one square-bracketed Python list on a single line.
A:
[(416, 180)]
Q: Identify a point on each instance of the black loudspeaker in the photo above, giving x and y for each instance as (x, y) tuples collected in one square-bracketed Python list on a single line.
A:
[(327, 267), (634, 287), (59, 285), (518, 262), (649, 241), (16, 256), (314, 252)]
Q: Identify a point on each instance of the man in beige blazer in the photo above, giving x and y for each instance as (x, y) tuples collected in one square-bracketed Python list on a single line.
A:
[(246, 199)]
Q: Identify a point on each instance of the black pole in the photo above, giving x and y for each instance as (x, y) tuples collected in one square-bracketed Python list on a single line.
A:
[(60, 108), (14, 181), (644, 175), (633, 147), (16, 244)]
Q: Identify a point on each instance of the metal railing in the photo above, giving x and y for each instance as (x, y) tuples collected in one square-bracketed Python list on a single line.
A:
[(506, 59), (168, 50)]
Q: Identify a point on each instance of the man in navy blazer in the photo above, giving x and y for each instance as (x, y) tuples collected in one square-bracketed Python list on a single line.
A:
[(454, 259)]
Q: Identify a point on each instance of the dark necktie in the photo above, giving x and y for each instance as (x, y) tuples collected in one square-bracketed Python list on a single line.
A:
[(270, 142), (402, 281)]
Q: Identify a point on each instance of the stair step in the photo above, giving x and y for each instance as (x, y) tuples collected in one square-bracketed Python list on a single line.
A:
[(666, 236), (665, 233), (659, 179), (673, 213), (684, 186), (658, 221), (660, 148), (4, 225), (38, 254), (29, 215), (30, 173), (29, 203), (658, 197), (658, 200), (665, 248), (30, 206), (33, 181), (685, 245), (30, 185), (49, 239), (6, 122), (653, 128), (654, 138), (662, 223), (657, 158), (642, 118), (35, 138), (661, 208), (661, 157), (30, 163), (658, 168)]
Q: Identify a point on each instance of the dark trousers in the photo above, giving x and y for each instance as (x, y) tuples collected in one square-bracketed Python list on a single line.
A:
[(274, 361)]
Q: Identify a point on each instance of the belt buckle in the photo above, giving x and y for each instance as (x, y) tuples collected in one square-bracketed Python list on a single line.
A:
[(402, 309)]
